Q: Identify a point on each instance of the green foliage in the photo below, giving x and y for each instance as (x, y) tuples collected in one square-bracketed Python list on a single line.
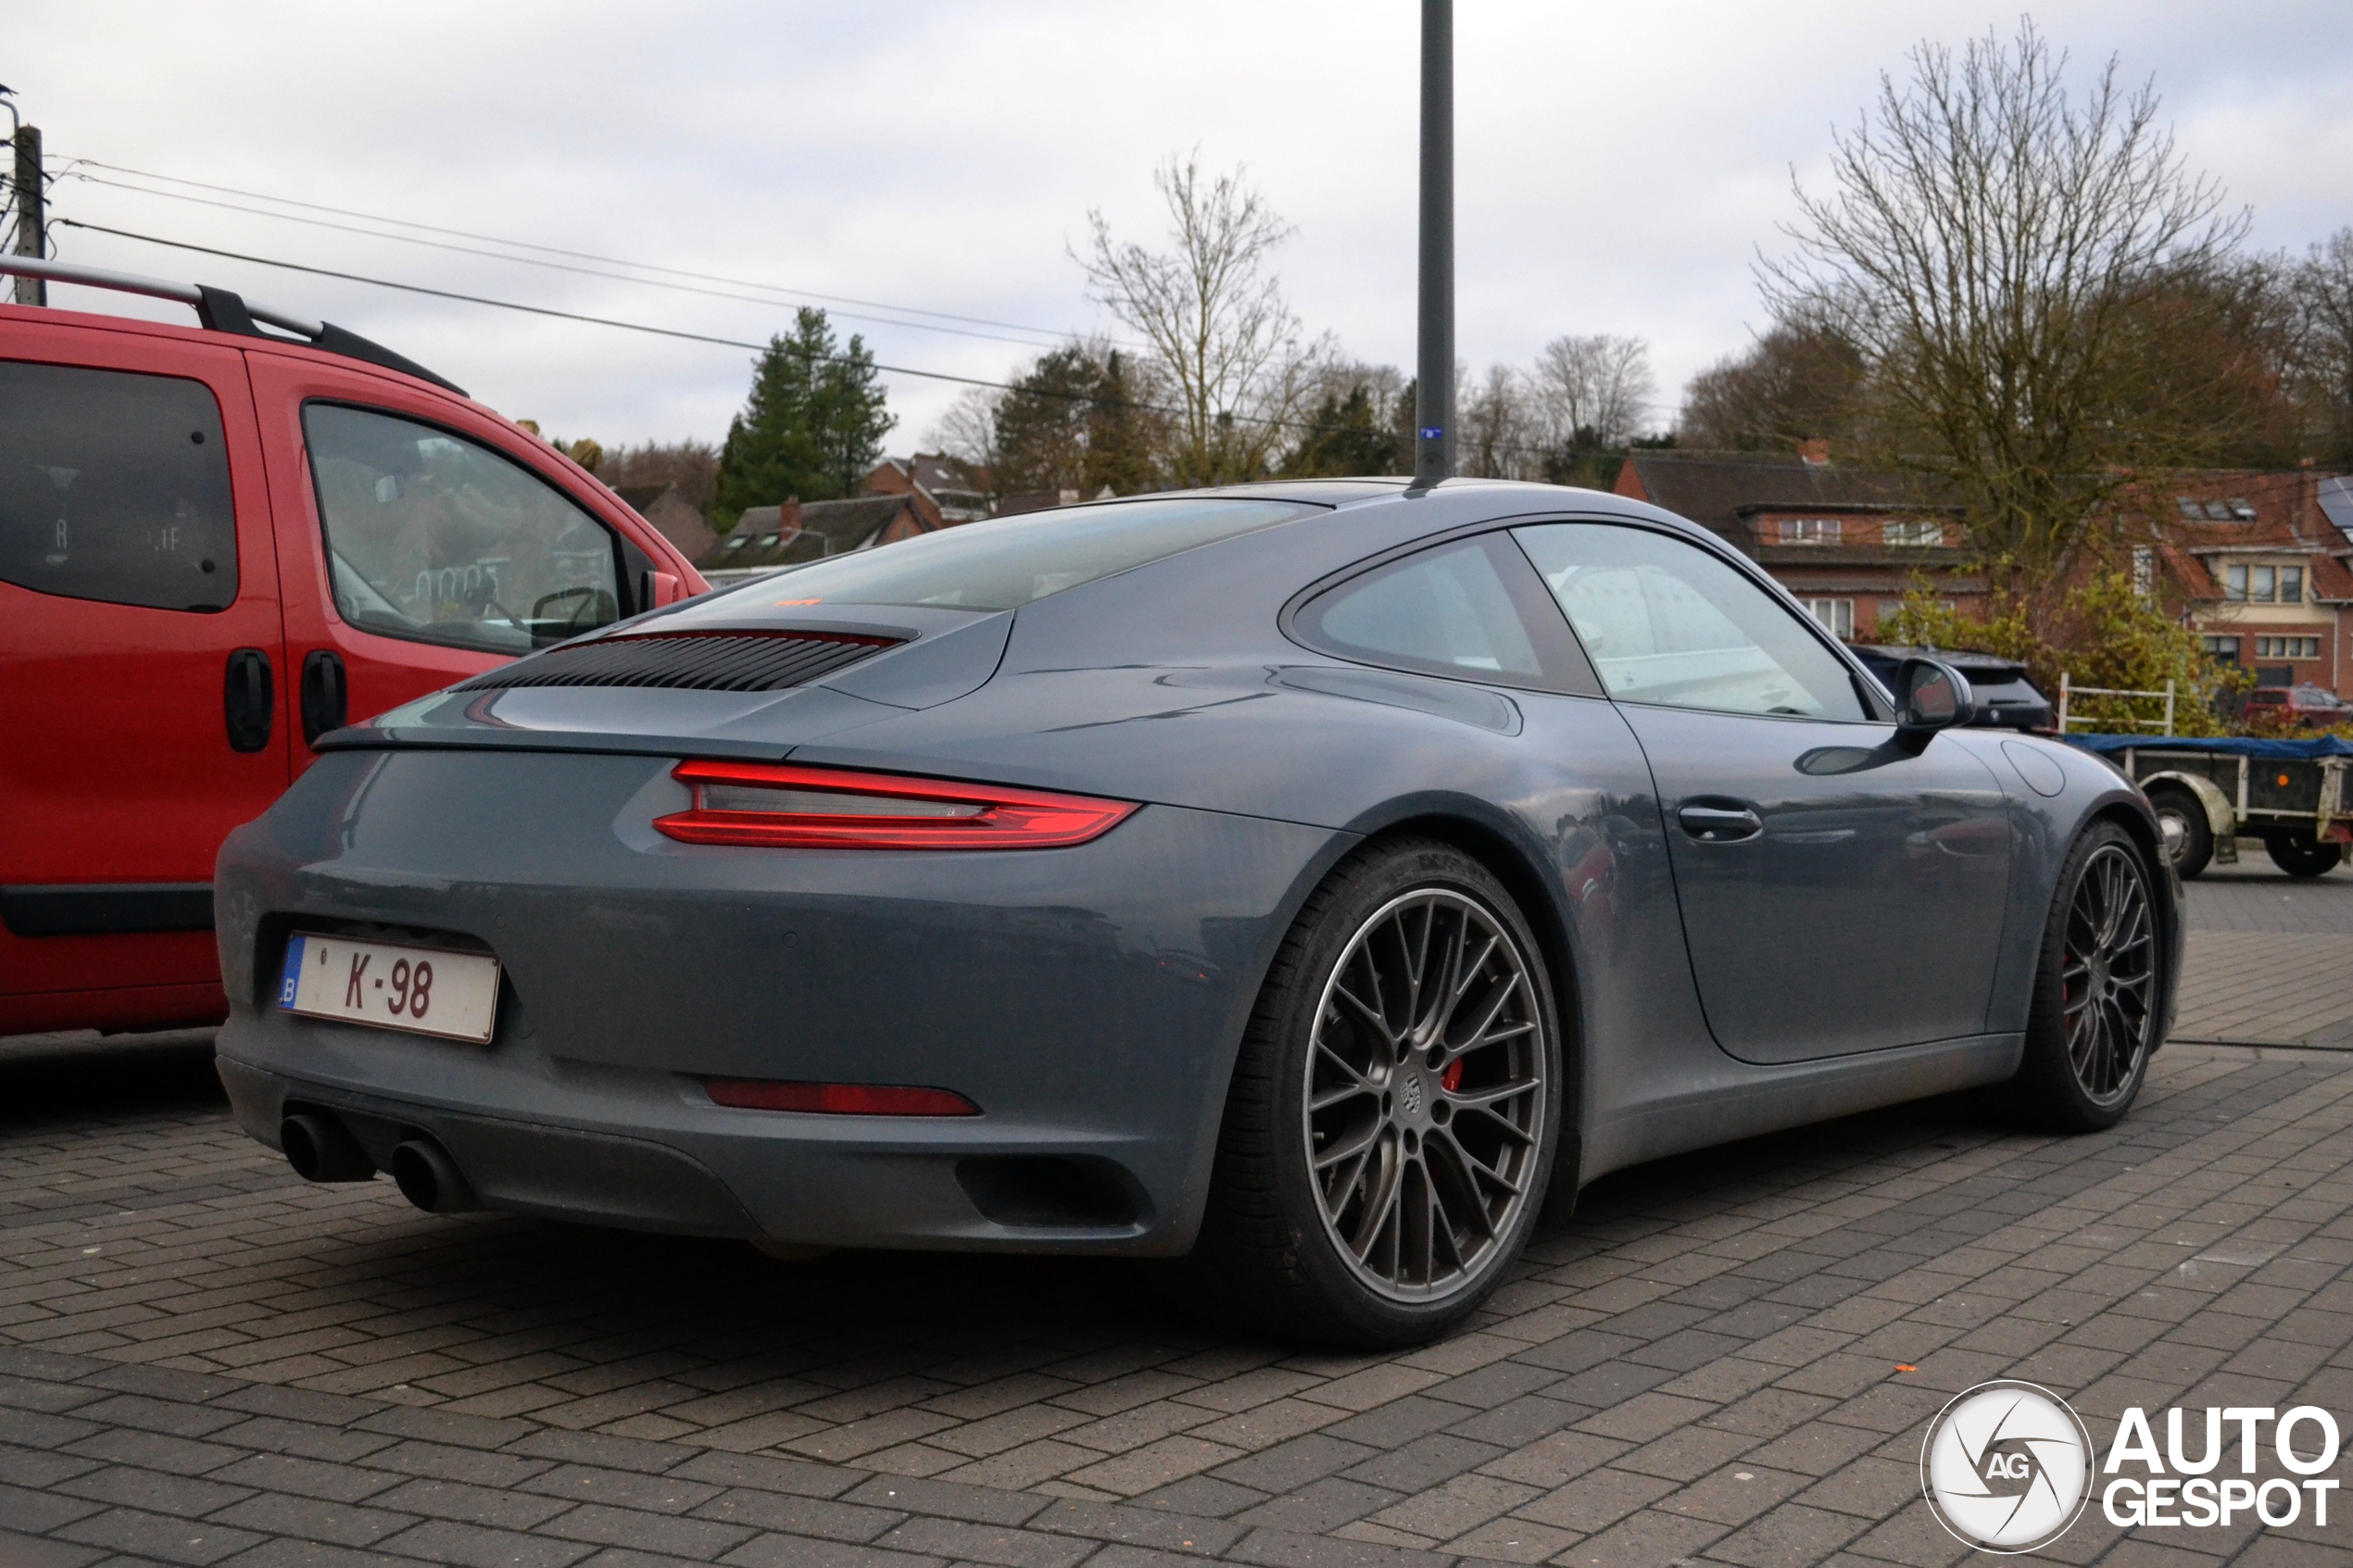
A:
[(1072, 421), (814, 426), (1347, 436), (2103, 632)]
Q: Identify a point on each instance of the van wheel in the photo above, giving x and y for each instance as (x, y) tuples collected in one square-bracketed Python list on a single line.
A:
[(2189, 838), (2299, 854), (1394, 1111), (2097, 990)]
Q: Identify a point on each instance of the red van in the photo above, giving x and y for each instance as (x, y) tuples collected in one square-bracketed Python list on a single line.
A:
[(217, 543)]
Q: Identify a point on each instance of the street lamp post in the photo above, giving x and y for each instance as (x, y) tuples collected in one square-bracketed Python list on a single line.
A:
[(1434, 370)]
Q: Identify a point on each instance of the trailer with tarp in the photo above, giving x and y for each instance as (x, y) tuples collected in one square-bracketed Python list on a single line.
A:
[(2210, 792)]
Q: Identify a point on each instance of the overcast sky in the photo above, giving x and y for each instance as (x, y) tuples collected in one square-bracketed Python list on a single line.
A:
[(1618, 165)]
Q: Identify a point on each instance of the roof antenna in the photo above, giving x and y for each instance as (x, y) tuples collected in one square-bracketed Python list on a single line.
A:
[(1434, 372)]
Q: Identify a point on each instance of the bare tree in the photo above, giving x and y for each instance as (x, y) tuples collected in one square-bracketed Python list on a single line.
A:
[(1789, 386), (1993, 250), (1500, 430), (692, 466), (1226, 344), (1599, 384), (2325, 301), (967, 427)]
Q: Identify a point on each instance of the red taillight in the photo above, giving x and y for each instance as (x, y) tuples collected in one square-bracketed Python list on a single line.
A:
[(837, 1100), (780, 806)]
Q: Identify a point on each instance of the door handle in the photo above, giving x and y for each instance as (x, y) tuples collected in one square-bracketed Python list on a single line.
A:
[(326, 697), (248, 694), (1727, 824)]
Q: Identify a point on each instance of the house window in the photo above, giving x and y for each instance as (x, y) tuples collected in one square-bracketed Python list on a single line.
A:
[(1809, 531), (1913, 530), (2263, 585), (2224, 649), (1837, 616), (2291, 584), (2143, 570), (2287, 647), (2236, 509)]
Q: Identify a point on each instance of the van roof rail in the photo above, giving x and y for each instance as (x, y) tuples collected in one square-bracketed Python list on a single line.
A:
[(222, 311)]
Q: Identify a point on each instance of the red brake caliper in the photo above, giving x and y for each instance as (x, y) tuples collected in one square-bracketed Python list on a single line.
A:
[(1452, 1079)]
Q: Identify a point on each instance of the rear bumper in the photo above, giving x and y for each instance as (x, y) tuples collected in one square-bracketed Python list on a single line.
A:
[(1088, 999)]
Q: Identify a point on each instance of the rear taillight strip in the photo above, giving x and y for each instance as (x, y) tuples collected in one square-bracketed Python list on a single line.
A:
[(997, 817)]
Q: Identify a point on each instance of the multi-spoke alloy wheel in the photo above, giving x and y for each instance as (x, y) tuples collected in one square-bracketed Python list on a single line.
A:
[(1395, 1109), (2102, 988), (2108, 977), (1425, 1093)]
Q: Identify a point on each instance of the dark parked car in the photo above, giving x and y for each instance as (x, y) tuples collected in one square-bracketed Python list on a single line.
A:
[(2005, 699), (1304, 877)]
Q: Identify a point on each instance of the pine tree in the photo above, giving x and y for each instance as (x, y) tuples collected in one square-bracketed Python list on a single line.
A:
[(813, 425)]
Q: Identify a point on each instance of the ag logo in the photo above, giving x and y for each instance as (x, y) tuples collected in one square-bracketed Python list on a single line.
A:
[(2007, 1467)]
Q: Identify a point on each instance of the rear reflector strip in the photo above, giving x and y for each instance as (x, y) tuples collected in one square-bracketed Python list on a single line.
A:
[(837, 1100), (776, 805)]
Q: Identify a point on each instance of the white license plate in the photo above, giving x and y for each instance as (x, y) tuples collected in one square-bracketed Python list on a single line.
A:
[(422, 990)]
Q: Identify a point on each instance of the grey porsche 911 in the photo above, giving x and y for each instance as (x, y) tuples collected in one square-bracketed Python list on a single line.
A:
[(1304, 878)]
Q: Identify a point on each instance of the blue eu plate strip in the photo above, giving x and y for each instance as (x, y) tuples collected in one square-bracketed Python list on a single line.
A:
[(293, 974)]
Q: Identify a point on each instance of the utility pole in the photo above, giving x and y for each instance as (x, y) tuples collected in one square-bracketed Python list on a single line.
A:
[(31, 225), (1434, 369)]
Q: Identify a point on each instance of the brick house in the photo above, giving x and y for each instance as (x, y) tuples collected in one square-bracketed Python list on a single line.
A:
[(2260, 563), (2257, 564), (673, 516), (954, 490), (1848, 542), (767, 537)]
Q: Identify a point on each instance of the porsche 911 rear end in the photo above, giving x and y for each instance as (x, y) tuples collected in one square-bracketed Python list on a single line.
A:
[(580, 938)]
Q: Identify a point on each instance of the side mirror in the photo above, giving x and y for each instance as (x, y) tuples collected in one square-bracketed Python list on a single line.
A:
[(1930, 697)]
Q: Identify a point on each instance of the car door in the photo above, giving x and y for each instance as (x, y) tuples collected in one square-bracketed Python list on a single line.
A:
[(421, 546), (142, 669), (1840, 892)]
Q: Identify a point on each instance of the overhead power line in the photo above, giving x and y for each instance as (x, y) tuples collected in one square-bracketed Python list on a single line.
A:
[(568, 266), (1301, 426), (74, 165)]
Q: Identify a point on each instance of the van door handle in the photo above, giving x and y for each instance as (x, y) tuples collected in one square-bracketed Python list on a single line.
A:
[(1726, 823), (326, 697), (248, 694)]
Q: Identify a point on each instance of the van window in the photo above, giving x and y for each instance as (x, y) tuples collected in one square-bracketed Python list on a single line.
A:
[(115, 486), (436, 539)]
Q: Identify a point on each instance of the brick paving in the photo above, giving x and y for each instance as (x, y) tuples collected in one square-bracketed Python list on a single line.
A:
[(203, 1360), (2270, 958)]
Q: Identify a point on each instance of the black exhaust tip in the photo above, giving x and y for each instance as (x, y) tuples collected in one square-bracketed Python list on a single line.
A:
[(430, 1179), (321, 1150)]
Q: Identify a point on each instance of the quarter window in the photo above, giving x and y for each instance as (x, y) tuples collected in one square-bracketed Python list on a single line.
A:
[(436, 539), (1666, 623), (1447, 610), (115, 486)]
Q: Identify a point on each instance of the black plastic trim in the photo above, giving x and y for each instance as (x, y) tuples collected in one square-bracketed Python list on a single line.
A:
[(106, 909)]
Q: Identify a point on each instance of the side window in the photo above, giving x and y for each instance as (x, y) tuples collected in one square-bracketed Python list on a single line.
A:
[(115, 486), (1666, 623), (1446, 610), (436, 539)]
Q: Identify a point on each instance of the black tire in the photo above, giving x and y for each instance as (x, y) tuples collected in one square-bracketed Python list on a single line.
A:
[(2093, 1026), (1392, 1113), (2189, 837), (2299, 854)]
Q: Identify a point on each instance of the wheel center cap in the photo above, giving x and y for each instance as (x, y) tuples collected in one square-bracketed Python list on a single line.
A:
[(1409, 1094)]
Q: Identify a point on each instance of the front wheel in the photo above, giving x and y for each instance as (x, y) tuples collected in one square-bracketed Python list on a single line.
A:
[(2299, 854), (1394, 1112), (2097, 990)]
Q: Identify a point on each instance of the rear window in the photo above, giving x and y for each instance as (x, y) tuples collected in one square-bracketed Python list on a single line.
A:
[(1003, 563), (115, 486)]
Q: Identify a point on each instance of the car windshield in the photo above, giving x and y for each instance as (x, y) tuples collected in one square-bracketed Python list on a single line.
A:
[(1003, 563)]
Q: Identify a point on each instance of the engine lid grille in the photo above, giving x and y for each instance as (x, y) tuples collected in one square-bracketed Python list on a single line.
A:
[(702, 662)]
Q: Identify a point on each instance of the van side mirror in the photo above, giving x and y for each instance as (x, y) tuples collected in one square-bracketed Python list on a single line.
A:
[(1930, 697)]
